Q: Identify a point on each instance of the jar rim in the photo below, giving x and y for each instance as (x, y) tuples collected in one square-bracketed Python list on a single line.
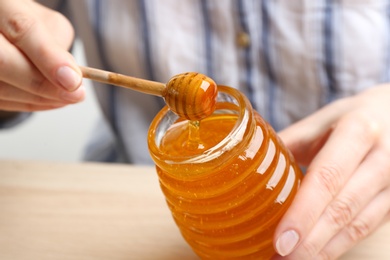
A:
[(158, 128)]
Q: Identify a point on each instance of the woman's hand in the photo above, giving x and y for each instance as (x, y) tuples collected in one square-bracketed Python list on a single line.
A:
[(36, 70), (345, 194)]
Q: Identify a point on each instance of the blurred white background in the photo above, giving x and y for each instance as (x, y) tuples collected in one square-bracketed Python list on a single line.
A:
[(56, 135)]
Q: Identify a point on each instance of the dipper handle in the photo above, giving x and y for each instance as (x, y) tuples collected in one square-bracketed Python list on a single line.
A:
[(140, 85)]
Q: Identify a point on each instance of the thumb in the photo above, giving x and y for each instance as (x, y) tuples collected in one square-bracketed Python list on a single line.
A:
[(306, 137), (304, 144)]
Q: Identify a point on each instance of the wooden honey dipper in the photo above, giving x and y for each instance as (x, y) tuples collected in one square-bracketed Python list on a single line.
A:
[(190, 95)]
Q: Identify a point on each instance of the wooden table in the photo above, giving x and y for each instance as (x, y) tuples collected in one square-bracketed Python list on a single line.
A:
[(100, 211)]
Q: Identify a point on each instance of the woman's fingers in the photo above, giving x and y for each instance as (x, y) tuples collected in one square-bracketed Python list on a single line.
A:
[(347, 146), (29, 53), (14, 99), (371, 177), (327, 174), (28, 33), (13, 64), (306, 137), (376, 213), (11, 93), (6, 105)]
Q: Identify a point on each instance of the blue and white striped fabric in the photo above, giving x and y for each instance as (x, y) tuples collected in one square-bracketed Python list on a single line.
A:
[(289, 57)]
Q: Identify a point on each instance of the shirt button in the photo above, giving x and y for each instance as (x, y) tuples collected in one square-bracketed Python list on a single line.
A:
[(243, 40)]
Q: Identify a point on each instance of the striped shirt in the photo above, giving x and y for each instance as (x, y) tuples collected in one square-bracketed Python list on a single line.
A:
[(289, 58)]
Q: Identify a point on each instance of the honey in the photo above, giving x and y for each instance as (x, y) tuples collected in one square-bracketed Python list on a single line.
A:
[(227, 179)]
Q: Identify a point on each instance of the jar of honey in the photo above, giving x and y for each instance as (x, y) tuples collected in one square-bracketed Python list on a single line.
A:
[(227, 179)]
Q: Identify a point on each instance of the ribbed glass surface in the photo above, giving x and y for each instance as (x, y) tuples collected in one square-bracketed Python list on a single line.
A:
[(229, 206)]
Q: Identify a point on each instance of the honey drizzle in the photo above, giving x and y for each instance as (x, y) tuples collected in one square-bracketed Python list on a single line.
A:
[(194, 142)]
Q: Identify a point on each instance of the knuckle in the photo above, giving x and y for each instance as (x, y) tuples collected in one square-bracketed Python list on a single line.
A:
[(366, 124), (371, 128), (329, 178), (358, 230), (341, 212), (363, 127), (17, 26)]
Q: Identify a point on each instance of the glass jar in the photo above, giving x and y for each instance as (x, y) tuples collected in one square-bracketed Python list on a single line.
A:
[(227, 181)]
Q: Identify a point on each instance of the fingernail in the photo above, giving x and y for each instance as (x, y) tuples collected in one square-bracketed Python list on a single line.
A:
[(287, 242), (75, 96), (68, 78)]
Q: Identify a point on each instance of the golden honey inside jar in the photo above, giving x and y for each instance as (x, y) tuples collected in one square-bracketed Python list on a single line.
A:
[(227, 179)]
